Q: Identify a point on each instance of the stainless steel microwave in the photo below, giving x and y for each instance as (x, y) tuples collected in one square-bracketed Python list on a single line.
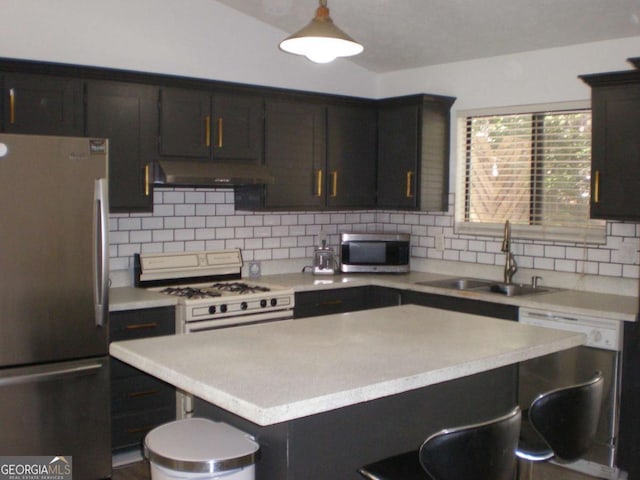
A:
[(374, 252)]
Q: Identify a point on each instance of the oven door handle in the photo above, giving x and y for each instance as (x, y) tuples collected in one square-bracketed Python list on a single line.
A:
[(550, 316)]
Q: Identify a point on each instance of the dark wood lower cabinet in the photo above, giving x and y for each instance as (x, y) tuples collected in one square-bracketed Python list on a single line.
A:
[(333, 444), (342, 300), (464, 305), (351, 299), (126, 114), (139, 402)]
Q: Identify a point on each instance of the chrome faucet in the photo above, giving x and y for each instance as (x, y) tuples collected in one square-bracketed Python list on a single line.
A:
[(510, 265)]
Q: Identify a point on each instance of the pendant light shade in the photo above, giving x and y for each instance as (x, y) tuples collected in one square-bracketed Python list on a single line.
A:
[(321, 41)]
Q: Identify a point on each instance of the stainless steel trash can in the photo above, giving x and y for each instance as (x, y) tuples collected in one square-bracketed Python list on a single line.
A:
[(197, 448)]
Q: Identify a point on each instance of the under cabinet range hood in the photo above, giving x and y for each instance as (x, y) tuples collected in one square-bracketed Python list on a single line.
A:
[(192, 173)]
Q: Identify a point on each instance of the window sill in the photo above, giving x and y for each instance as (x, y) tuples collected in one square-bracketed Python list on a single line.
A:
[(593, 236)]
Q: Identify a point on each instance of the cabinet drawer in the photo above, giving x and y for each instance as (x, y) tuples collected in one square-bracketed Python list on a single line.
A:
[(152, 322), (121, 370), (340, 300), (130, 430), (142, 392)]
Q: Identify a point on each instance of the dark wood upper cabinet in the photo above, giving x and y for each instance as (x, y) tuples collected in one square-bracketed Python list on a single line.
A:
[(42, 105), (295, 153), (322, 156), (413, 152), (615, 153), (398, 156), (325, 151), (203, 125), (238, 126), (351, 156), (126, 114)]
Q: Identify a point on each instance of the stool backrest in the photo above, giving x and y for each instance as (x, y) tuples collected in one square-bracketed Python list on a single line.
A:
[(484, 451), (567, 418)]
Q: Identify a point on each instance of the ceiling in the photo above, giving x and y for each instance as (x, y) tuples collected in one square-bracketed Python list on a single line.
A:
[(402, 34)]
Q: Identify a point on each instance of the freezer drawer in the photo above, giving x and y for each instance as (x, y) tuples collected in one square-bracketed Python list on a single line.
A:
[(59, 409)]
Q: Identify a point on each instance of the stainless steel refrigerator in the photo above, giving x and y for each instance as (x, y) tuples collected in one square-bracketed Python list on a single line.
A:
[(54, 374)]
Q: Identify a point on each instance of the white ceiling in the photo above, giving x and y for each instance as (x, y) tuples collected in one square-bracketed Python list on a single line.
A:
[(401, 34)]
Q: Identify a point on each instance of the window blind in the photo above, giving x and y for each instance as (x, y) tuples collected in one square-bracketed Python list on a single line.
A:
[(532, 168)]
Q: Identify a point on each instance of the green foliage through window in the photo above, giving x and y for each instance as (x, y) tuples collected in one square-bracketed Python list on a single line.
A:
[(530, 168)]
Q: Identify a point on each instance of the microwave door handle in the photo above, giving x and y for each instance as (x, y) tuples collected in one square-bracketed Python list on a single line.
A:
[(100, 258)]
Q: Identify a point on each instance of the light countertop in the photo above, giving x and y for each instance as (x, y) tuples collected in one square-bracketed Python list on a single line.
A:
[(604, 305), (131, 298), (274, 372)]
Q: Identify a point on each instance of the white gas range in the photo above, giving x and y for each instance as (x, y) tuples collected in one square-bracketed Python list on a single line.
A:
[(210, 291), (211, 294)]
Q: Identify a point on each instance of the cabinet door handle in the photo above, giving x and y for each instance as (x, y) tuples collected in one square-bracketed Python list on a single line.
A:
[(596, 187), (329, 303), (138, 326), (319, 182), (12, 106), (146, 180), (207, 131), (334, 183), (409, 192), (144, 393), (220, 122), (140, 429)]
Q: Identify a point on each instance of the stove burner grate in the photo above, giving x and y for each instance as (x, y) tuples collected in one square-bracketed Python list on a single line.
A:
[(239, 288), (190, 292)]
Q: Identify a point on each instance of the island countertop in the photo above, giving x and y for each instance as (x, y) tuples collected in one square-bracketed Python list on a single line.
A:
[(275, 372)]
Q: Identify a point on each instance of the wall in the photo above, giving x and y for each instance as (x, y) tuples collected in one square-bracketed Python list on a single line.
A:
[(198, 38), (188, 219), (202, 38)]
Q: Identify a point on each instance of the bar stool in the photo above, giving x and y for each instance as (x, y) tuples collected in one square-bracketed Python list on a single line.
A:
[(483, 451), (561, 423)]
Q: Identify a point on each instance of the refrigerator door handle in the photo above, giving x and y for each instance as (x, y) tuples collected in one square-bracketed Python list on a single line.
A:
[(101, 266), (41, 376)]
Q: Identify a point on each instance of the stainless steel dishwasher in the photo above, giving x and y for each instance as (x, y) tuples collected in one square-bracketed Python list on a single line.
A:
[(602, 351)]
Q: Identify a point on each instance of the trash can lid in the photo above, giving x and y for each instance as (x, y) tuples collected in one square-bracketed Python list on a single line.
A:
[(198, 445)]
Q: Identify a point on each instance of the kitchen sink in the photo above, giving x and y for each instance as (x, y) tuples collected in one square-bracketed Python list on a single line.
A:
[(489, 286), (458, 283)]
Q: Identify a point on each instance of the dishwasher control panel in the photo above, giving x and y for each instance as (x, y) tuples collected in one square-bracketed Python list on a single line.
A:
[(601, 332)]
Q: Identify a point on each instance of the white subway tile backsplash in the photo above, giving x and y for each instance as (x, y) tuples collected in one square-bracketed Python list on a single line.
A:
[(542, 263), (204, 209), (599, 255), (224, 209), (194, 219), (173, 223), (487, 258), (469, 257), (554, 252), (623, 229), (185, 210), (610, 269), (195, 222), (565, 266)]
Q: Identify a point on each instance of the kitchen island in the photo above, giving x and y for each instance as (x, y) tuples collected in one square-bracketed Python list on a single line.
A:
[(324, 395)]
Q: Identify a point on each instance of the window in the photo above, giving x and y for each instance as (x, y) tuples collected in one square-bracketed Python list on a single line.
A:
[(532, 167)]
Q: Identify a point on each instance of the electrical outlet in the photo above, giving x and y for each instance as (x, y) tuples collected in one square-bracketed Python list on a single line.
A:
[(440, 242)]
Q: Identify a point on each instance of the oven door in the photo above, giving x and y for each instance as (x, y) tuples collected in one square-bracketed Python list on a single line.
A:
[(228, 322)]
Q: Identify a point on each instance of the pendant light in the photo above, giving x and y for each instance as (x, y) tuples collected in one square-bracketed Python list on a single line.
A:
[(321, 41)]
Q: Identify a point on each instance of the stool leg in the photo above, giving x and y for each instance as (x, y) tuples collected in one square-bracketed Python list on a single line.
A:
[(524, 469)]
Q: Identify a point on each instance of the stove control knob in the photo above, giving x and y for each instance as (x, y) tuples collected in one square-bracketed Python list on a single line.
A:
[(223, 308), (243, 306), (263, 303), (212, 309), (274, 302)]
